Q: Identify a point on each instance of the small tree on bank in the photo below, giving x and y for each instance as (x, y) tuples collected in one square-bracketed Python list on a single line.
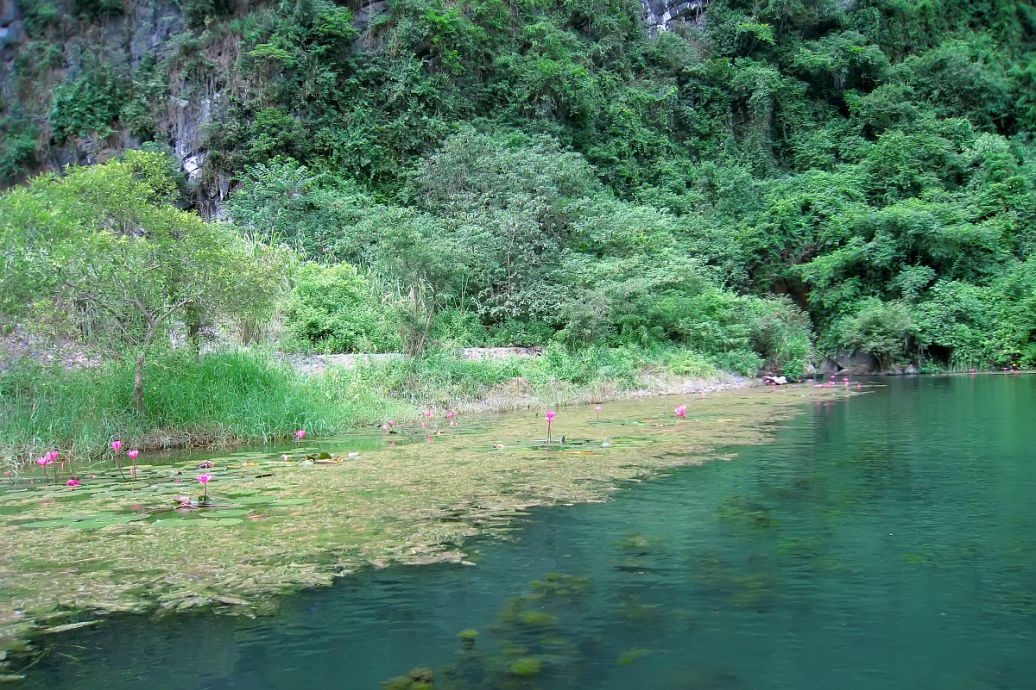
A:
[(105, 249)]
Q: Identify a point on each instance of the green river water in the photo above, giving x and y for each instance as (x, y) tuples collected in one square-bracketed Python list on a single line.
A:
[(884, 541)]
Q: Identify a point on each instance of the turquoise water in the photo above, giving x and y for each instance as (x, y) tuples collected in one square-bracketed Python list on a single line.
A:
[(885, 541)]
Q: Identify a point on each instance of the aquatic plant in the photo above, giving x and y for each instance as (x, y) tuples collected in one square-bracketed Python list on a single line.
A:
[(597, 412), (452, 416), (549, 416), (636, 544), (525, 667), (72, 483), (300, 434), (132, 455), (467, 637), (416, 679), (631, 655), (116, 447), (203, 479), (680, 411), (43, 462), (560, 584)]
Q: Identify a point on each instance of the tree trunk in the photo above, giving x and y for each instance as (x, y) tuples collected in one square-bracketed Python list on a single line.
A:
[(138, 384)]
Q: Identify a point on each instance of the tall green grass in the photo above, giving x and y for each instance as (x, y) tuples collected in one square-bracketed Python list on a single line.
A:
[(216, 399), (230, 397)]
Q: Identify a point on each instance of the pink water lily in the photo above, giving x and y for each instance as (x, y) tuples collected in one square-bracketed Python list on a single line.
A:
[(72, 483), (43, 461), (426, 413), (116, 446), (549, 416), (300, 434), (52, 456), (597, 411), (203, 479), (132, 455), (680, 411)]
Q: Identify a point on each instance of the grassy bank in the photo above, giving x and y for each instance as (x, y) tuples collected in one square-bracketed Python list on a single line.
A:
[(275, 524), (248, 396)]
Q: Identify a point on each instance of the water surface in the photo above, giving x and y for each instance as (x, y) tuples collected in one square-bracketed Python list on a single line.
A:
[(885, 541)]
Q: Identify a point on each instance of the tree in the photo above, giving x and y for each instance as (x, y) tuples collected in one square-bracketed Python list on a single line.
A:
[(104, 249)]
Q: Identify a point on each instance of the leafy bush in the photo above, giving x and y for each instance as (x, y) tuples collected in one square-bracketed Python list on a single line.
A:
[(334, 309)]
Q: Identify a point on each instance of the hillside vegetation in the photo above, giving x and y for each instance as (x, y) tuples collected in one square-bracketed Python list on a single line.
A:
[(771, 182)]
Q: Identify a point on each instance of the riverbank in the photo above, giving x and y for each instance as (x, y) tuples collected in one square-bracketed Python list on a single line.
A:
[(276, 525), (225, 399)]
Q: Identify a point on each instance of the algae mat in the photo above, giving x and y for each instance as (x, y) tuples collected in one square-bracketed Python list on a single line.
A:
[(275, 524)]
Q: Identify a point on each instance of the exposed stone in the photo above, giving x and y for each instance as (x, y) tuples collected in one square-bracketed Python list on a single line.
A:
[(660, 15), (861, 363), (828, 366)]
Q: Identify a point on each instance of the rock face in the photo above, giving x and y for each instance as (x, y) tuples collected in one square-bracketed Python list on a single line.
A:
[(661, 15)]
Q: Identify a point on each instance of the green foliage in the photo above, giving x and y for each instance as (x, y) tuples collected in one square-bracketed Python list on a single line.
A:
[(334, 309), (89, 104), (529, 173), (220, 398), (103, 249)]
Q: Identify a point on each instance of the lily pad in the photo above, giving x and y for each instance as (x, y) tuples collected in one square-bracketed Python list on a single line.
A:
[(255, 500), (293, 501), (234, 512)]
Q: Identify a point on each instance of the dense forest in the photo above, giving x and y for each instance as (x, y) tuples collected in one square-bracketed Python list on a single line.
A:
[(761, 183)]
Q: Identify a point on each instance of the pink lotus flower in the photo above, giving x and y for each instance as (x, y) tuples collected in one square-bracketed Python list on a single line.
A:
[(43, 461), (598, 409), (132, 454), (116, 446), (391, 423), (52, 456), (680, 411), (426, 413), (72, 483), (549, 416), (204, 478), (300, 434)]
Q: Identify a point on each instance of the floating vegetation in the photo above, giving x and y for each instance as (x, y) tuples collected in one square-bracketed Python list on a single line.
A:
[(274, 523)]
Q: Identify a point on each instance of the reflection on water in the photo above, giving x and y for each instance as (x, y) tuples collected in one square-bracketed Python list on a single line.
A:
[(886, 541)]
